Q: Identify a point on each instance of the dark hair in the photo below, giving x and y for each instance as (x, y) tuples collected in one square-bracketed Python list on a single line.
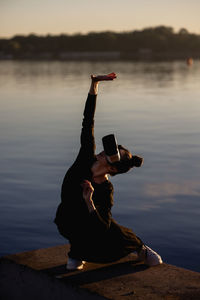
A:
[(127, 162)]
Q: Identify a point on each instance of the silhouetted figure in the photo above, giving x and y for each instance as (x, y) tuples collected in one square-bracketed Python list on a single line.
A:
[(84, 214)]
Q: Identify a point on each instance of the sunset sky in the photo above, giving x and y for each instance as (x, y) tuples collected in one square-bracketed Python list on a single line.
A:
[(72, 16)]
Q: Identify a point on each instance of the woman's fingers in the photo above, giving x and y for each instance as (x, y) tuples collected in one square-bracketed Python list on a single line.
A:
[(85, 182), (109, 76), (112, 75), (87, 187)]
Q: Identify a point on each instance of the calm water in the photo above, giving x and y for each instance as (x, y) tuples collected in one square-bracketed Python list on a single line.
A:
[(153, 108)]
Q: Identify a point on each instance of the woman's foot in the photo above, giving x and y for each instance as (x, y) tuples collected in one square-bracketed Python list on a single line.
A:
[(150, 257), (75, 264)]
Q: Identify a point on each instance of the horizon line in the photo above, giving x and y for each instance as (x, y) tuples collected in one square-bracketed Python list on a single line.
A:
[(94, 31)]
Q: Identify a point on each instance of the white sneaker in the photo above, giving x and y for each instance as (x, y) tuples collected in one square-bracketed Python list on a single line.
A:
[(74, 264), (150, 257)]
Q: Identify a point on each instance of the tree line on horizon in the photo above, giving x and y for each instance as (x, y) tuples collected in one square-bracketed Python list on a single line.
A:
[(160, 39)]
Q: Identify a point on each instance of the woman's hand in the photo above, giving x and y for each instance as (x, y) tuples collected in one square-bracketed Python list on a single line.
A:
[(87, 190), (87, 194), (96, 79), (110, 76)]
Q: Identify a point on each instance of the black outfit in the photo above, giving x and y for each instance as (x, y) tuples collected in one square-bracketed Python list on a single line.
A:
[(95, 236)]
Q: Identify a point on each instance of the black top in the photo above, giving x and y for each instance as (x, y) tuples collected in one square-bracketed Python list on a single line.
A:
[(93, 236)]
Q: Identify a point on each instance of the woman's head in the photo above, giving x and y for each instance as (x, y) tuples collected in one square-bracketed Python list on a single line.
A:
[(127, 162), (102, 166)]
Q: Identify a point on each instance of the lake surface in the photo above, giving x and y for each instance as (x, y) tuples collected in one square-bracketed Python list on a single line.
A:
[(154, 110)]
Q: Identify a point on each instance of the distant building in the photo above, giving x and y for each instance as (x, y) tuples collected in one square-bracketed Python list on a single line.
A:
[(5, 56), (90, 55), (145, 53)]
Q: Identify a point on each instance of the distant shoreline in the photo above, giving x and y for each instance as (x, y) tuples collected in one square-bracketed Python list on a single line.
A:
[(102, 56), (154, 43)]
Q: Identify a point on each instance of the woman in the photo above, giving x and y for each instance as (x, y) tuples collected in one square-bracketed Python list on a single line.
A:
[(84, 214)]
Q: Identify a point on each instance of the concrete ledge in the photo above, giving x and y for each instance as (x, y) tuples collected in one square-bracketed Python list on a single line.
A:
[(41, 274)]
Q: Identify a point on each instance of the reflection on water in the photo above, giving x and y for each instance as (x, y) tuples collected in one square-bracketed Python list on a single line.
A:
[(153, 108)]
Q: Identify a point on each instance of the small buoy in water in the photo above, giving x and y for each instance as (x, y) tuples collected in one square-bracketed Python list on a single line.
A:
[(189, 61)]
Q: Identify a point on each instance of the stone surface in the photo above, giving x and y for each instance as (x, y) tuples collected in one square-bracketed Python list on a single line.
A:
[(124, 279), (18, 282)]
